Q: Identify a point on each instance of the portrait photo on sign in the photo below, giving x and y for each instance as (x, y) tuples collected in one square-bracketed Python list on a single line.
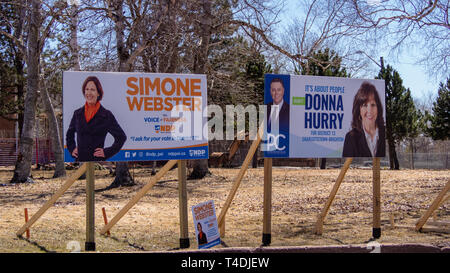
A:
[(91, 123), (277, 100), (367, 136)]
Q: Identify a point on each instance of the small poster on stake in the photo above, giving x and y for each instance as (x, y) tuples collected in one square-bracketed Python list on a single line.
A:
[(205, 222)]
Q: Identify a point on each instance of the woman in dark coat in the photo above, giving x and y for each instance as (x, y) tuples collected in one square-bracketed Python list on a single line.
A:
[(201, 235), (367, 136), (92, 123)]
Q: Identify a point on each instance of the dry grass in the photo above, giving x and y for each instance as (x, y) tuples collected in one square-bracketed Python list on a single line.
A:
[(153, 224)]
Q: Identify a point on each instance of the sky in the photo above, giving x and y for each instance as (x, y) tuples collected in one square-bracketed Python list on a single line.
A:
[(414, 76)]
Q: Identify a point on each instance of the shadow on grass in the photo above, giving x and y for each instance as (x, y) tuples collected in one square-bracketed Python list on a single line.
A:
[(133, 245), (36, 244)]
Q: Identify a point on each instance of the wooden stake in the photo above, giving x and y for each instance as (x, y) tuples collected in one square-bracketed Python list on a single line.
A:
[(267, 215), (439, 223), (239, 177), (139, 195), (435, 218), (222, 228), (320, 219), (392, 220), (182, 199), (433, 207), (105, 220), (376, 230), (90, 207), (52, 200), (26, 220), (444, 200)]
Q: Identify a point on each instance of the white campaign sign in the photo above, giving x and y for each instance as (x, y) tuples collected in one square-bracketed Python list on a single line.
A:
[(205, 222), (323, 120), (159, 116)]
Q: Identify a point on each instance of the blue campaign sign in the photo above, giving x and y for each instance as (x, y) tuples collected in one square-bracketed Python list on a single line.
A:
[(327, 117), (112, 116)]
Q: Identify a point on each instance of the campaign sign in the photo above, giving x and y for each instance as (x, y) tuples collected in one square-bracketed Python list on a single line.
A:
[(112, 116), (324, 117), (205, 222)]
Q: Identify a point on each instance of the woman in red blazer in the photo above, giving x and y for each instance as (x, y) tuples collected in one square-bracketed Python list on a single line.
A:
[(92, 123)]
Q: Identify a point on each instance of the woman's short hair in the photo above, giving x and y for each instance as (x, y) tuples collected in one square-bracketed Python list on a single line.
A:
[(362, 96), (97, 83)]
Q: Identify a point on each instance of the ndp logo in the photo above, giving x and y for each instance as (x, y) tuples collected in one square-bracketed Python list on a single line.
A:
[(197, 152), (164, 128), (273, 143)]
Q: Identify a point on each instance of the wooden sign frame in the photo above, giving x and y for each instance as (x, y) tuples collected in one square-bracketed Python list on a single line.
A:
[(437, 202), (88, 168), (267, 203), (376, 198)]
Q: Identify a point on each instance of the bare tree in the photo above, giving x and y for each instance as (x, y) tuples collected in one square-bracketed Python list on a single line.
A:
[(16, 24), (23, 165), (400, 24), (40, 26), (130, 45), (73, 42), (55, 136)]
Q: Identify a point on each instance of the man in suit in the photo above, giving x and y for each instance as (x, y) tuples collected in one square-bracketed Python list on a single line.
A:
[(278, 109)]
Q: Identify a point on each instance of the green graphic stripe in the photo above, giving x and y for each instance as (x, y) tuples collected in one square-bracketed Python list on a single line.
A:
[(298, 100)]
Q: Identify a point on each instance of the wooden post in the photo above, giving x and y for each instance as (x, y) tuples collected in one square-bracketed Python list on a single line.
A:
[(433, 207), (238, 179), (222, 228), (182, 198), (392, 220), (52, 200), (376, 224), (267, 216), (320, 219), (139, 195), (90, 207)]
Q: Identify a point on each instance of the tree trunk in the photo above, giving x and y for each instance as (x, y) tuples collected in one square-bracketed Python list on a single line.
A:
[(323, 163), (392, 155), (19, 64), (55, 137), (22, 169), (446, 154), (412, 153), (393, 160), (154, 168), (123, 176), (75, 56), (200, 167), (396, 163), (255, 159)]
